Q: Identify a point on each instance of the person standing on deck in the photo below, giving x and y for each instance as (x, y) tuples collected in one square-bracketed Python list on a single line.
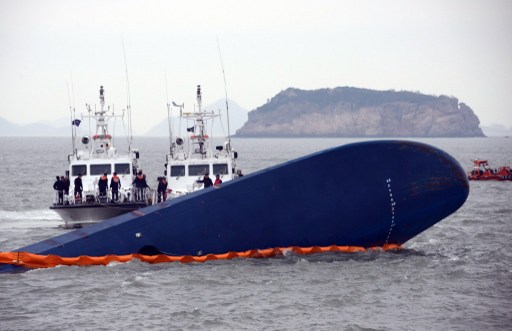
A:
[(59, 187), (103, 185), (115, 185), (207, 182), (218, 181), (162, 189), (78, 188), (65, 180), (140, 186)]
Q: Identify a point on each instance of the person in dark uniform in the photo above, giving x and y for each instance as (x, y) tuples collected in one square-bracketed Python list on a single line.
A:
[(207, 182), (162, 189), (140, 186), (115, 185), (78, 188), (65, 180), (59, 187), (103, 185)]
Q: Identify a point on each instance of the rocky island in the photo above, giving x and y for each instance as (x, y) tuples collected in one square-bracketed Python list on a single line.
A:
[(356, 112)]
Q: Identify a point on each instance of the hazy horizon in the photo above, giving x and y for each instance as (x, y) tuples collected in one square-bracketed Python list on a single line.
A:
[(56, 53)]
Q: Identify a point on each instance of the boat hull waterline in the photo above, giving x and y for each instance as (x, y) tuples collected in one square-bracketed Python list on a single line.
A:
[(367, 194)]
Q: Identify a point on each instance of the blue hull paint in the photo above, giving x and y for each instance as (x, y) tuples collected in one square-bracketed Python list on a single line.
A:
[(364, 194)]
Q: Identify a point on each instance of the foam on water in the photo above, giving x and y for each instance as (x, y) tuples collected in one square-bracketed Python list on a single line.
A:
[(29, 215)]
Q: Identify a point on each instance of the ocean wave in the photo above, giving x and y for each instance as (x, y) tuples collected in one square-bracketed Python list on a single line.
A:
[(29, 218), (43, 214)]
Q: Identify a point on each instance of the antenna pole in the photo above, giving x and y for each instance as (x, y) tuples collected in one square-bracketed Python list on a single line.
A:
[(73, 134), (128, 107), (74, 111), (169, 123), (226, 93)]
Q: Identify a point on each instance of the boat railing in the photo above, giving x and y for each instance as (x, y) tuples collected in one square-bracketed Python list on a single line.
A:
[(56, 199), (145, 194), (130, 195)]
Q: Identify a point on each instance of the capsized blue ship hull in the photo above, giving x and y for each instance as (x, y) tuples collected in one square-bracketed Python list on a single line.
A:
[(363, 194)]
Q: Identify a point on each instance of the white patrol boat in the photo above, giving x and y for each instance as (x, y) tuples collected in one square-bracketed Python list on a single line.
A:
[(190, 161), (99, 160)]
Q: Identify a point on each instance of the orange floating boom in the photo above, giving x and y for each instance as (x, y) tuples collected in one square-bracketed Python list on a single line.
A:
[(30, 260)]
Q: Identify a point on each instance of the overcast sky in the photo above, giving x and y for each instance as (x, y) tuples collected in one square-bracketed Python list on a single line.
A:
[(460, 48)]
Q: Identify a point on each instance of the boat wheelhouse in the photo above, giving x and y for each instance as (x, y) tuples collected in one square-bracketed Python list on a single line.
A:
[(191, 159)]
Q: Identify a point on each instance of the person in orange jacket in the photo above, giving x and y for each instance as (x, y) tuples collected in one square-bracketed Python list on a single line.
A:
[(140, 186), (218, 181), (162, 189)]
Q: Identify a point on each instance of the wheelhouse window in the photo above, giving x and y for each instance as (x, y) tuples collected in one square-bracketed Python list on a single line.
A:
[(79, 169), (221, 169), (100, 169), (122, 168), (178, 171), (198, 169)]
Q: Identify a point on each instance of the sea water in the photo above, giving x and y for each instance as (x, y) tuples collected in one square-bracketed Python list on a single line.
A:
[(456, 275)]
